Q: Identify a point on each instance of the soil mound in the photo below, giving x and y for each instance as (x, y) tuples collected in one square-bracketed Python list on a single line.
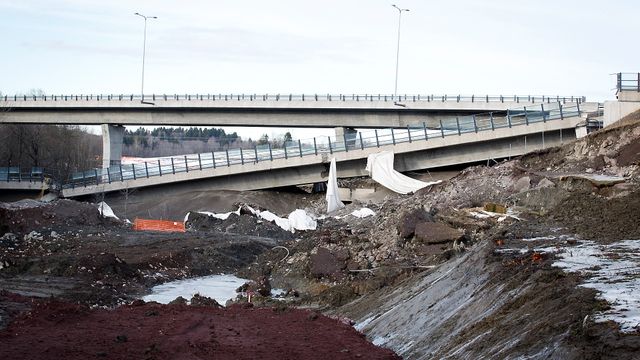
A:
[(25, 216), (56, 330), (244, 224)]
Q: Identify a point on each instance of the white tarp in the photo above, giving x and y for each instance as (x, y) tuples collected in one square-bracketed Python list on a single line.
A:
[(297, 220), (380, 168), (105, 210), (333, 200)]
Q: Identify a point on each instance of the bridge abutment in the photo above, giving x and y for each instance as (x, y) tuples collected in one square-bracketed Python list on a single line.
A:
[(112, 136)]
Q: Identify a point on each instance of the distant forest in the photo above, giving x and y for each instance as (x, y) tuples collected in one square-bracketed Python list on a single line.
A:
[(165, 141), (60, 149)]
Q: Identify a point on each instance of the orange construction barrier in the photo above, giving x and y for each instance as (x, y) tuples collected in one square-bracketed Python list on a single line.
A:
[(158, 225)]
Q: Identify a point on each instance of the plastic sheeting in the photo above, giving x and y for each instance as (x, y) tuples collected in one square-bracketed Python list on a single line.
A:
[(333, 200), (106, 211), (380, 168), (297, 219)]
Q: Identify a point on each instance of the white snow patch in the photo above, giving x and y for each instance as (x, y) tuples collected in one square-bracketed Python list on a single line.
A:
[(219, 287), (106, 211), (614, 271), (300, 220), (363, 213), (359, 326)]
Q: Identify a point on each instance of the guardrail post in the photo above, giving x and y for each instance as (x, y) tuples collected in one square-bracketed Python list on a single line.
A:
[(409, 133), (526, 116), (146, 169), (330, 150), (493, 127), (377, 139), (578, 107), (344, 138), (270, 152), (200, 161), (361, 142), (173, 168), (509, 117), (109, 175), (213, 159), (255, 151), (441, 129), (159, 168), (475, 123), (561, 112), (186, 164), (393, 137), (286, 156), (95, 172), (226, 151), (241, 157), (458, 125), (544, 117), (300, 143), (426, 134), (133, 167), (315, 146), (121, 176)]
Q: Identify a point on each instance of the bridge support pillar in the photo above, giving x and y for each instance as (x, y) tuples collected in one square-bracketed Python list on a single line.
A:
[(112, 136), (347, 136)]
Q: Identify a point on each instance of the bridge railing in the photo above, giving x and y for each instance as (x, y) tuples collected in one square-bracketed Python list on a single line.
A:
[(17, 174), (324, 145), (628, 81), (299, 97)]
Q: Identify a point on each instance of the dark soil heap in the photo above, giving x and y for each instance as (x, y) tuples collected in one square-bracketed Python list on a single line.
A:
[(55, 330)]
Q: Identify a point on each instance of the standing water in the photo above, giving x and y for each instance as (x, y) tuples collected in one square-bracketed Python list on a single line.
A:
[(218, 287)]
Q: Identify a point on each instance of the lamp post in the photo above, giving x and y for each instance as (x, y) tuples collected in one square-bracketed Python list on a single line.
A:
[(144, 49), (400, 10)]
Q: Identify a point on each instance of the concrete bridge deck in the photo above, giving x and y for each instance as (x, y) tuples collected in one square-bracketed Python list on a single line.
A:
[(470, 139), (361, 111)]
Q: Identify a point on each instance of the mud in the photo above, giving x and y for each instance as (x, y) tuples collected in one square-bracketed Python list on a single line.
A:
[(56, 330)]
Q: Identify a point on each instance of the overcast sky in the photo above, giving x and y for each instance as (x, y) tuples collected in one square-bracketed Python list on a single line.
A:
[(550, 47)]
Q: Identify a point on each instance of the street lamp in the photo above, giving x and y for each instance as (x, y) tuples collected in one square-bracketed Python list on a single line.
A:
[(144, 48), (400, 10)]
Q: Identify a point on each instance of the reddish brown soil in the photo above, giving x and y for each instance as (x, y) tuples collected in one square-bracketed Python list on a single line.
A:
[(56, 330)]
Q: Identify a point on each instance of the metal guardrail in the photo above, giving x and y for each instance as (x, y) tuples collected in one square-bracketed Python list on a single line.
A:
[(323, 145), (16, 174), (628, 81), (300, 97)]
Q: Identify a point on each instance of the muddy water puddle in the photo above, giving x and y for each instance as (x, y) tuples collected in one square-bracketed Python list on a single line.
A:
[(219, 287)]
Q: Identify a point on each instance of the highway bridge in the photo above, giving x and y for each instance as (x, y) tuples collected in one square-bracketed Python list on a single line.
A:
[(465, 139), (345, 113)]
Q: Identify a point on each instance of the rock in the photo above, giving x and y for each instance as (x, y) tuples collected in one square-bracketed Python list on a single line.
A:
[(178, 301), (261, 286), (199, 300), (523, 184), (408, 220), (34, 235), (496, 208), (545, 183), (324, 263), (435, 233)]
